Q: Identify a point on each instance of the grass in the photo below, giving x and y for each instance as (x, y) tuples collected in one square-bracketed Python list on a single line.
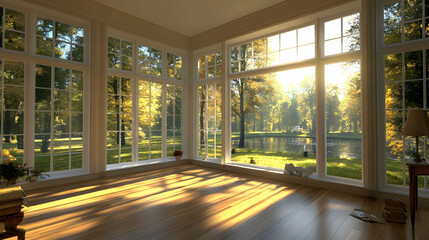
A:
[(335, 166)]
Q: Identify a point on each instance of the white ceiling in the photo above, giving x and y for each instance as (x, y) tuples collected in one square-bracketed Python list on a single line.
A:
[(189, 17)]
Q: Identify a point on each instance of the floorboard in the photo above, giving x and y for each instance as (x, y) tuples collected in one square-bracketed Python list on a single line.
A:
[(193, 202)]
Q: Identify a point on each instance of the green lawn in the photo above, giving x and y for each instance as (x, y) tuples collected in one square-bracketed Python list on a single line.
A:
[(341, 167)]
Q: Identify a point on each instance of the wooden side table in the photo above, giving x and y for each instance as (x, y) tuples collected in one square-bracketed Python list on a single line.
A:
[(415, 169)]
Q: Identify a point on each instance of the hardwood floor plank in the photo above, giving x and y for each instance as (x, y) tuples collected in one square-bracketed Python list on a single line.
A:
[(193, 202)]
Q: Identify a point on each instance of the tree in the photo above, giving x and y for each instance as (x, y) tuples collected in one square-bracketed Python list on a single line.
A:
[(307, 104), (333, 112)]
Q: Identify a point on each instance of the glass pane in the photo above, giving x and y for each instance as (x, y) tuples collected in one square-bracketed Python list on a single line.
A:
[(414, 94), (61, 122), (392, 34), (76, 143), (333, 29), (77, 101), (412, 9), (413, 65), (77, 122), (392, 14), (77, 53), (43, 122), (127, 63), (42, 145), (333, 46), (393, 67), (127, 48), (14, 20), (42, 163), (113, 61), (13, 97), (14, 40), (61, 144), (62, 50), (44, 46), (113, 140), (77, 80), (126, 86), (112, 104), (61, 162), (288, 40), (43, 76), (112, 156), (112, 85), (76, 160), (393, 98), (62, 78), (44, 27), (43, 99), (77, 35), (13, 122), (61, 100), (413, 30), (143, 153), (113, 45), (62, 31)]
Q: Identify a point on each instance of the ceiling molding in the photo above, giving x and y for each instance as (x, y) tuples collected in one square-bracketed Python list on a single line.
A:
[(92, 10), (268, 17)]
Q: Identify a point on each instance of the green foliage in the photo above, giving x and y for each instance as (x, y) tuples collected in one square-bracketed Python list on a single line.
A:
[(10, 172)]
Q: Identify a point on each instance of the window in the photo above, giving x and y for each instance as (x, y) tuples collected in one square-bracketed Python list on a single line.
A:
[(274, 111), (406, 20), (12, 111), (59, 40), (174, 118), (150, 120), (150, 61), (342, 35), (58, 119), (119, 54), (291, 46), (12, 29), (343, 119), (209, 121), (209, 66), (174, 66), (274, 118), (119, 119), (406, 87)]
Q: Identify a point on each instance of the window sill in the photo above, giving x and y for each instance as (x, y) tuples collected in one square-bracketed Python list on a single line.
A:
[(118, 166)]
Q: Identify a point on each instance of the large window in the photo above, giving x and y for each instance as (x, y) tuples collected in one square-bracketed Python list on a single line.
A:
[(274, 118), (406, 88), (12, 29), (12, 111), (144, 109), (209, 121), (274, 110), (58, 118)]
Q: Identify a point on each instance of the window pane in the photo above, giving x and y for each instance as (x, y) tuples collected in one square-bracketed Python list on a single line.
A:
[(343, 119), (295, 113)]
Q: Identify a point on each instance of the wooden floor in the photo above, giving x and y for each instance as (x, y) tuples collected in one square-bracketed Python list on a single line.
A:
[(191, 202)]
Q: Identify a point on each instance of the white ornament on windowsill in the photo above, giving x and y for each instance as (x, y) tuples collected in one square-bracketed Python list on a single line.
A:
[(290, 169)]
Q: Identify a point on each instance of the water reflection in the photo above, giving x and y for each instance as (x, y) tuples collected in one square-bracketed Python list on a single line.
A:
[(344, 148)]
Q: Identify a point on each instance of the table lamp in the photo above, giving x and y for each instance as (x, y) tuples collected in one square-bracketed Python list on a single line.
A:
[(417, 125)]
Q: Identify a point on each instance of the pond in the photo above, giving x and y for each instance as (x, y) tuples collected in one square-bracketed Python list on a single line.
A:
[(344, 148)]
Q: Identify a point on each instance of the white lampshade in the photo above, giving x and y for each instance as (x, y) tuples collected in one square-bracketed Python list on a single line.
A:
[(417, 124)]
